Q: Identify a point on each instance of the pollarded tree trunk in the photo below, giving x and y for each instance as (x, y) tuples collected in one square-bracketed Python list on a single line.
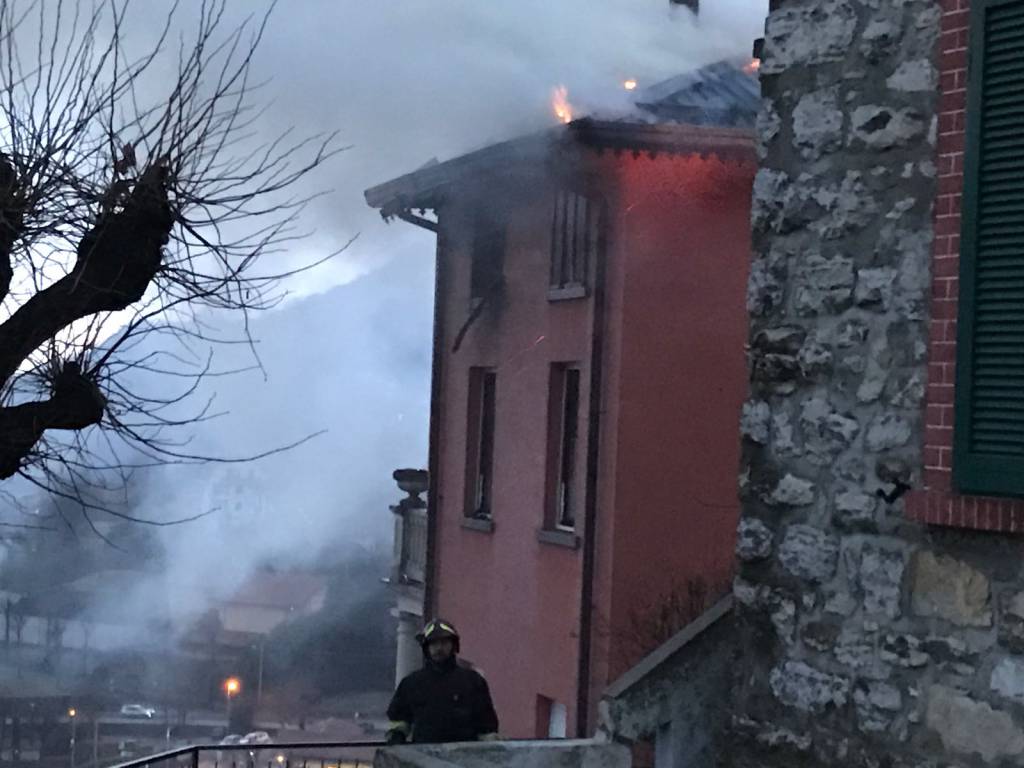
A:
[(154, 204)]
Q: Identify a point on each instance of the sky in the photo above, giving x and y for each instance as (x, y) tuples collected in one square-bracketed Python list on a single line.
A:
[(405, 81), (402, 81)]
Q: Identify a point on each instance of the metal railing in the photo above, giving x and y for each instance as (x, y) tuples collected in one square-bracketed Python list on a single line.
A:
[(323, 754)]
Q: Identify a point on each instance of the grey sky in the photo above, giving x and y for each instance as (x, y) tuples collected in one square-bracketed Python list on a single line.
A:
[(403, 81), (408, 80)]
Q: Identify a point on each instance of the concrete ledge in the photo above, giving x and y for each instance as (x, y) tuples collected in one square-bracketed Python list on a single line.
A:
[(567, 293), (660, 655), (581, 753), (558, 538), (480, 524)]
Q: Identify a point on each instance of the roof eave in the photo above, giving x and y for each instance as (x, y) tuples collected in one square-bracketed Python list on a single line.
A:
[(671, 138), (425, 188)]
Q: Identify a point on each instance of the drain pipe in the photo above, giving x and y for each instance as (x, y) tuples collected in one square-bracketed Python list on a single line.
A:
[(434, 430), (590, 508)]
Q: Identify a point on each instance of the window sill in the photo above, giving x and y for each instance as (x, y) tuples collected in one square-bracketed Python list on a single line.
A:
[(482, 525), (558, 538), (567, 293), (947, 509)]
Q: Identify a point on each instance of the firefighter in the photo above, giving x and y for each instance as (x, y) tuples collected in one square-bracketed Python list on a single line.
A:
[(445, 701)]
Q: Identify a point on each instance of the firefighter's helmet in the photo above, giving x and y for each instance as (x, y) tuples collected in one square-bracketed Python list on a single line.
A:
[(439, 629)]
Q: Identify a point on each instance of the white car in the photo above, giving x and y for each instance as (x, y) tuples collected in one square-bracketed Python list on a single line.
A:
[(137, 710), (231, 739), (256, 737)]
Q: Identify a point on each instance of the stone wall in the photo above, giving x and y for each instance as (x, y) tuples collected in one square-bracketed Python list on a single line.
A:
[(506, 754), (687, 690), (869, 639)]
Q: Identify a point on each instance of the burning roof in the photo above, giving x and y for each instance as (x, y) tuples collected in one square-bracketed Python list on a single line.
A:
[(722, 94), (710, 111)]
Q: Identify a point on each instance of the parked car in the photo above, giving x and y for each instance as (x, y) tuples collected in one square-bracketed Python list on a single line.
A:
[(256, 737), (137, 710), (231, 739)]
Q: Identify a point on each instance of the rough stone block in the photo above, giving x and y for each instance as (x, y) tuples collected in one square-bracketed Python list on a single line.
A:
[(826, 433), (874, 287), (971, 727), (838, 210), (772, 195), (783, 442), (879, 37), (815, 358), (799, 685), (792, 491), (949, 589), (809, 35), (766, 285), (754, 420), (818, 123), (1011, 621), (873, 384), (809, 553), (779, 606), (784, 340), (914, 76), (851, 333), (887, 431), (906, 391), (1008, 679), (853, 509), (877, 704), (883, 127), (949, 650), (840, 603), (903, 651), (820, 635), (779, 371), (823, 285), (768, 125), (881, 580), (753, 540), (782, 612)]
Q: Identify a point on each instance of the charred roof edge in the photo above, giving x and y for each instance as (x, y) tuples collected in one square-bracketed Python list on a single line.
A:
[(424, 188)]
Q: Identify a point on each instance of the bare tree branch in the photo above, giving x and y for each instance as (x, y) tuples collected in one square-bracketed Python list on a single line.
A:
[(133, 209)]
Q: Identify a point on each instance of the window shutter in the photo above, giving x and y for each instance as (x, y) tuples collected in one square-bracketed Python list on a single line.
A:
[(989, 438)]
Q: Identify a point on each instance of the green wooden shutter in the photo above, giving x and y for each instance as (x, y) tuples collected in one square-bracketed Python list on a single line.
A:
[(989, 438)]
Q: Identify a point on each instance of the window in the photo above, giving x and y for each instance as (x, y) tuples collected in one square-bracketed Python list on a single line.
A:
[(480, 463), (574, 240), (989, 435), (488, 256), (563, 438)]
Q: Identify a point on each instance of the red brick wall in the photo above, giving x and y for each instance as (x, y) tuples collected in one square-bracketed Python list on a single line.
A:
[(937, 503)]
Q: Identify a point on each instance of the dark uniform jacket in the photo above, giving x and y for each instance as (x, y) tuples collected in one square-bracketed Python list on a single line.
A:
[(444, 703)]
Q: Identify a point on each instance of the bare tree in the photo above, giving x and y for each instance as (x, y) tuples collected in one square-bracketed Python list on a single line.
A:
[(137, 200)]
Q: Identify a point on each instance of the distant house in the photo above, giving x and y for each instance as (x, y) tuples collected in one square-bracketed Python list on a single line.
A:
[(265, 601), (588, 375), (268, 599), (89, 613)]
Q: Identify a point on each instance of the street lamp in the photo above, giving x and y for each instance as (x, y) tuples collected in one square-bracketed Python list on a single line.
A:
[(232, 686), (73, 717)]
